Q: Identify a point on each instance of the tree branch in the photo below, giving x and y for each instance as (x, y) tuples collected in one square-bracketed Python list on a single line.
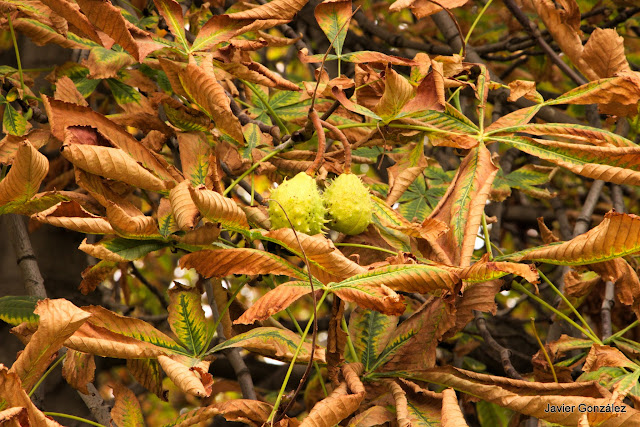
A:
[(503, 353)]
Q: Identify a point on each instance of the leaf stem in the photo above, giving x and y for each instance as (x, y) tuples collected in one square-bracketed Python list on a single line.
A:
[(487, 239), (44, 376), (475, 22), (622, 332), (352, 349), (276, 405), (544, 350), (279, 122), (73, 417), (518, 287), (357, 245), (15, 47), (275, 151), (566, 301)]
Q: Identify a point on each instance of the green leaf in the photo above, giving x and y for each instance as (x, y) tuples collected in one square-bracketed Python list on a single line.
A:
[(13, 122), (18, 309), (171, 11), (370, 332), (132, 249), (490, 414), (333, 18), (253, 138), (186, 319), (123, 94)]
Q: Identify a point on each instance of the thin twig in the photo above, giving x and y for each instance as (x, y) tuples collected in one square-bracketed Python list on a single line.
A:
[(136, 273), (532, 29), (338, 134), (322, 142), (233, 354), (503, 353)]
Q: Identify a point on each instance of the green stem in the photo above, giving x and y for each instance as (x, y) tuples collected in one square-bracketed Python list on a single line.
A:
[(487, 239), (299, 329), (73, 417), (51, 368), (357, 245), (566, 301), (544, 350), (518, 287), (475, 22), (352, 349), (276, 405), (15, 47), (275, 116), (622, 332), (256, 164)]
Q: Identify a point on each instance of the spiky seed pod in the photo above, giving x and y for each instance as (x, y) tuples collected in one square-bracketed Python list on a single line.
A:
[(349, 204), (301, 200)]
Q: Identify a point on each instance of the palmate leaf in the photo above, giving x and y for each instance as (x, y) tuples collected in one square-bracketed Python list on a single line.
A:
[(370, 332), (172, 14), (619, 165), (18, 309), (186, 318), (277, 343), (616, 236)]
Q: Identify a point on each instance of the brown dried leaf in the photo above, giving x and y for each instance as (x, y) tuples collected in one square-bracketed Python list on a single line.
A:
[(188, 379), (59, 319), (276, 9), (218, 208), (184, 210), (112, 163), (66, 91), (71, 12), (463, 204), (102, 342), (72, 216), (274, 301), (603, 355), (126, 410), (400, 402), (79, 370), (14, 396), (223, 262), (374, 416), (424, 329), (334, 408), (139, 226), (328, 264), (63, 115), (148, 373), (15, 417), (520, 88), (451, 414), (604, 53), (23, 180), (404, 172)]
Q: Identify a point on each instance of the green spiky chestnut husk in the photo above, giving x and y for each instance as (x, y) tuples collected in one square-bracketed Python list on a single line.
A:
[(301, 200), (349, 204)]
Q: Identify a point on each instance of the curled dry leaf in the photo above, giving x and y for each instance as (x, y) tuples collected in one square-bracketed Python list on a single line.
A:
[(252, 412), (604, 53), (72, 216), (59, 319), (276, 9), (14, 396), (218, 208), (23, 180), (485, 270), (139, 226), (451, 414), (112, 163), (401, 405), (184, 375), (274, 301)]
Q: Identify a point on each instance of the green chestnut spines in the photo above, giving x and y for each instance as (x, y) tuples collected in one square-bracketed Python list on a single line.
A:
[(301, 200), (349, 204)]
